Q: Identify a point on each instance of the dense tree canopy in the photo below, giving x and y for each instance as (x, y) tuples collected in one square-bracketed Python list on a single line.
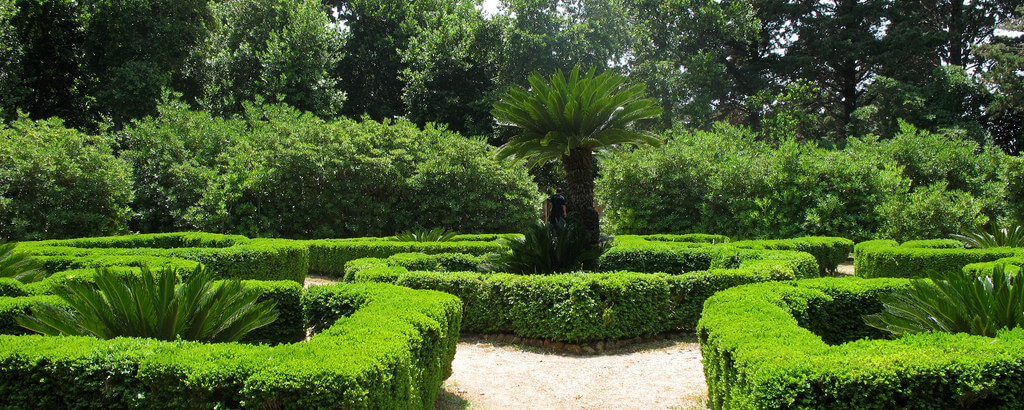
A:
[(819, 71)]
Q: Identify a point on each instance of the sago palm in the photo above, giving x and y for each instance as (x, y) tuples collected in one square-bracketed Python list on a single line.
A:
[(17, 265), (568, 119), (955, 303), (153, 305)]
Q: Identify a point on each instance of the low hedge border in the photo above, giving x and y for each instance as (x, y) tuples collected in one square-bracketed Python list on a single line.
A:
[(829, 252), (231, 256), (579, 307), (917, 259), (638, 255), (392, 351), (762, 348), (327, 257)]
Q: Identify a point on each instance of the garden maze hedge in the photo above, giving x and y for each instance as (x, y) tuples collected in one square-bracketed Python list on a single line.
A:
[(374, 345), (644, 285), (918, 259), (803, 344)]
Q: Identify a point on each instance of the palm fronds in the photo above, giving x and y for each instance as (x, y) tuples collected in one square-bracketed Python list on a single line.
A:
[(955, 303), (432, 235), (151, 305), (19, 266), (992, 237), (559, 114), (548, 249)]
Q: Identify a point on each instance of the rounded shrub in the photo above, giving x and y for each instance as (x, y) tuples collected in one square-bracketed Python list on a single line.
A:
[(56, 182), (300, 177)]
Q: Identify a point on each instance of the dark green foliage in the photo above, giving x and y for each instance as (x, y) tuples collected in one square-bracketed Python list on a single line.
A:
[(548, 248), (883, 258), (432, 235), (955, 303), (153, 305), (916, 185), (277, 50), (393, 351), (767, 346), (286, 296), (992, 237), (18, 266), (297, 176), (56, 182)]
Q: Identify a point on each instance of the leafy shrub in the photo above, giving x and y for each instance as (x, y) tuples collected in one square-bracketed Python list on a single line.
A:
[(726, 180), (433, 235), (544, 249), (993, 237), (56, 182), (18, 266), (152, 305), (297, 176), (175, 156), (955, 303)]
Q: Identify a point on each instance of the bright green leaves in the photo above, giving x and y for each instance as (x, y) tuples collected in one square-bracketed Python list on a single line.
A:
[(955, 303), (584, 110), (153, 305)]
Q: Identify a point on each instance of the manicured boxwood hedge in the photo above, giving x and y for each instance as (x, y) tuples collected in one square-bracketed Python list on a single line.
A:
[(580, 307), (386, 347), (795, 345), (828, 251), (229, 256), (327, 257), (638, 255), (885, 258)]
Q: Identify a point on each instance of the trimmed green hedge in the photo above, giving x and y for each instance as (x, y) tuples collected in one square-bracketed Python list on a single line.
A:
[(328, 257), (885, 258), (227, 256), (392, 350), (763, 347), (574, 307), (637, 254), (829, 252)]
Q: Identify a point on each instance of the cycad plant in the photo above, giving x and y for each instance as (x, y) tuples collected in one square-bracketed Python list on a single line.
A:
[(992, 237), (955, 303), (548, 249), (17, 265), (153, 305), (432, 235), (568, 119)]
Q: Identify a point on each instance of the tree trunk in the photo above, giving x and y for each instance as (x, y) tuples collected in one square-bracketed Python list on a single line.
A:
[(579, 174)]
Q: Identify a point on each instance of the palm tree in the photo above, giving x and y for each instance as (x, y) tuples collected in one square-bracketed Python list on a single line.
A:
[(571, 118)]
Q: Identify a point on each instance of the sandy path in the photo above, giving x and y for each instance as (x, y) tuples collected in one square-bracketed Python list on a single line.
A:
[(657, 374)]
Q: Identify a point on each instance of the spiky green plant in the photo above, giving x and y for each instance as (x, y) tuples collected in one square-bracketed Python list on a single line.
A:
[(547, 249), (153, 305), (992, 237), (568, 119), (432, 235), (19, 265), (955, 303)]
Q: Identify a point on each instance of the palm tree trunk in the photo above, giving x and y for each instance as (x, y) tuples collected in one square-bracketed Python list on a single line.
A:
[(579, 174)]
